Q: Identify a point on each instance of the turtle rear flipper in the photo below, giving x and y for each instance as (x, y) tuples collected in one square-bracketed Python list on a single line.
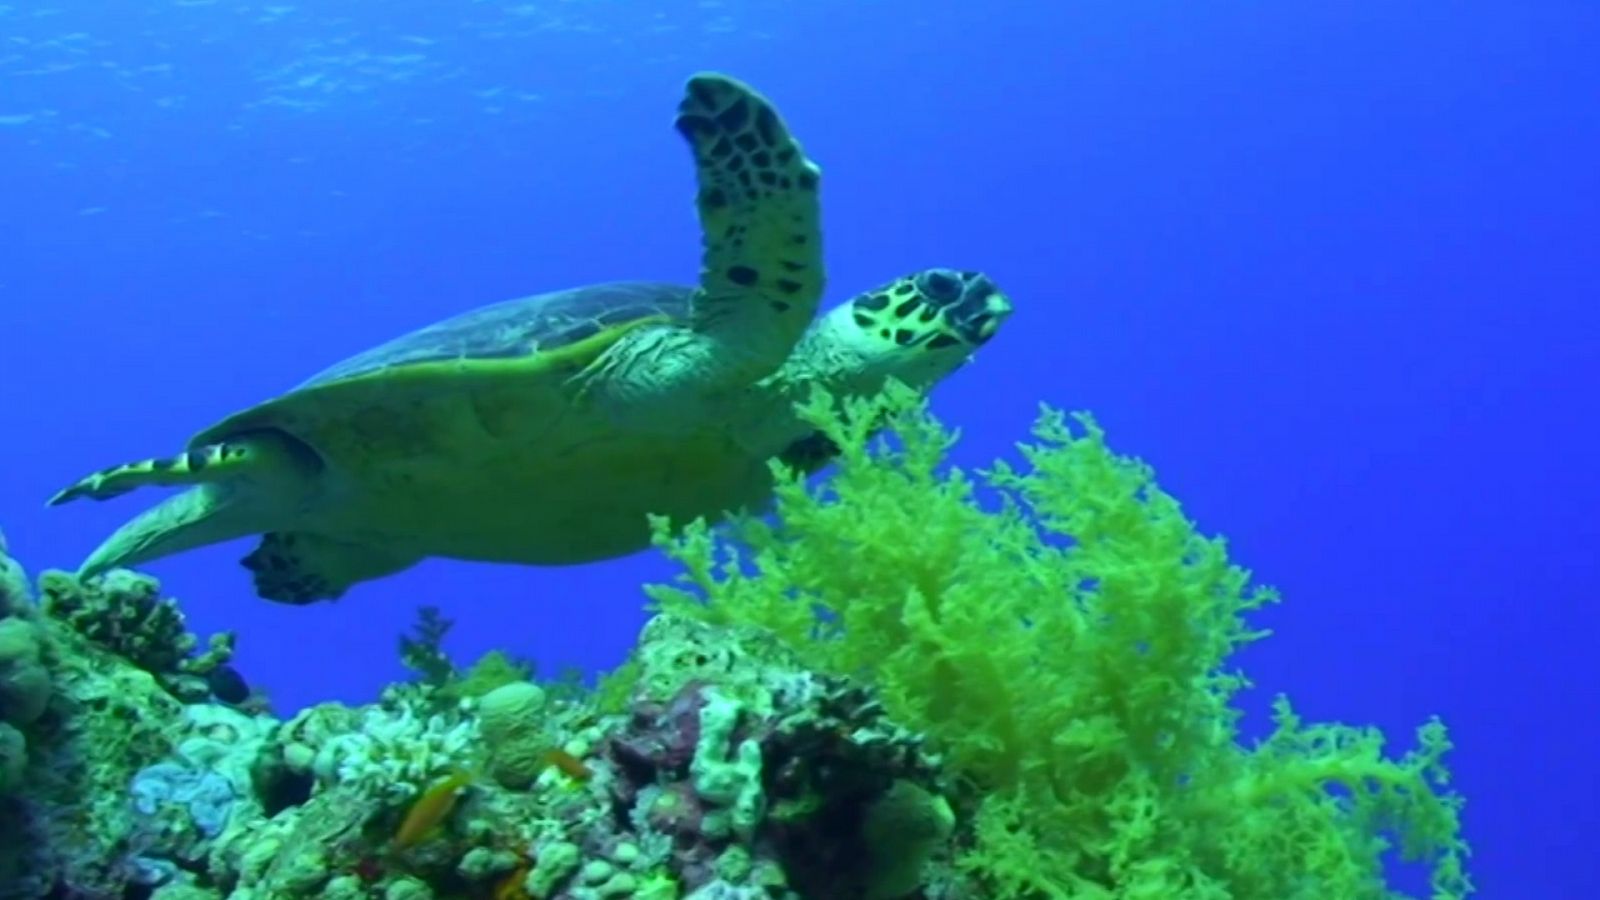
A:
[(299, 568)]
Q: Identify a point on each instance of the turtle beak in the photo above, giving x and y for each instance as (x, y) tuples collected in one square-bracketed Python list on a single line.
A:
[(981, 309), (997, 307)]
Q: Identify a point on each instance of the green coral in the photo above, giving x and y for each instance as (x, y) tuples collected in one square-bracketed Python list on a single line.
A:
[(15, 595), (395, 750), (1069, 650), (733, 782), (554, 863), (494, 669), (123, 611), (24, 681), (422, 651), (13, 757), (902, 830), (614, 689), (658, 885), (516, 732)]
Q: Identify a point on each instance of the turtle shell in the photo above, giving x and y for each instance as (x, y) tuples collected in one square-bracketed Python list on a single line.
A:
[(463, 437), (525, 329), (522, 327)]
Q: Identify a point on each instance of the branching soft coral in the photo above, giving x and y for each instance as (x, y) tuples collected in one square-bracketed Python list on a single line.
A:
[(1068, 649)]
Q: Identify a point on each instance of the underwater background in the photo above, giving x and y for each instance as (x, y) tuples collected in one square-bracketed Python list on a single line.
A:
[(1330, 268)]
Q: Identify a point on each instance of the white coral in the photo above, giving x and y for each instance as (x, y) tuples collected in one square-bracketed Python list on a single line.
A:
[(396, 751)]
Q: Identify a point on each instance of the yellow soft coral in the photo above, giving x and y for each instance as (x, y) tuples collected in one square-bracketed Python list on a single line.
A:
[(1068, 649)]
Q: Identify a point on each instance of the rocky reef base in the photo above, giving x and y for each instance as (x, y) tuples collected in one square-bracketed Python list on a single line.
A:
[(712, 765)]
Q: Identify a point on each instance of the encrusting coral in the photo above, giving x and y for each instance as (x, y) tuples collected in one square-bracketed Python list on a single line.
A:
[(24, 681), (905, 685), (25, 686), (16, 595), (125, 612)]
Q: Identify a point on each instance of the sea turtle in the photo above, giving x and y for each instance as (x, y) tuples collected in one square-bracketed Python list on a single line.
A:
[(543, 430)]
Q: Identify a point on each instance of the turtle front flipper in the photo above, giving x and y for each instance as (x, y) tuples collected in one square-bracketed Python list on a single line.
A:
[(300, 568), (761, 270)]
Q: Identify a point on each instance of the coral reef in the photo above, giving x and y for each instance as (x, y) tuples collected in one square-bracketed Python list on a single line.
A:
[(124, 612), (15, 593), (885, 692), (115, 769), (746, 771), (731, 771), (66, 820), (24, 682)]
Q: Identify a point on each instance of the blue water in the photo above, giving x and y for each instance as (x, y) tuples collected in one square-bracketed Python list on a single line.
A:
[(1331, 268)]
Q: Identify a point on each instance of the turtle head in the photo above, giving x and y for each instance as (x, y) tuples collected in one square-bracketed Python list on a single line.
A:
[(915, 330), (919, 328)]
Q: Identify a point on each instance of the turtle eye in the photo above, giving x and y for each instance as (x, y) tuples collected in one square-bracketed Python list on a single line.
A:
[(939, 286)]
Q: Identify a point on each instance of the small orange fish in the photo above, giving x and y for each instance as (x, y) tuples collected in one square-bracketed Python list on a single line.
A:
[(570, 765), (511, 886), (429, 809)]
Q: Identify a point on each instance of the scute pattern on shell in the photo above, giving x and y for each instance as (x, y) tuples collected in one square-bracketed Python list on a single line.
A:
[(521, 327)]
